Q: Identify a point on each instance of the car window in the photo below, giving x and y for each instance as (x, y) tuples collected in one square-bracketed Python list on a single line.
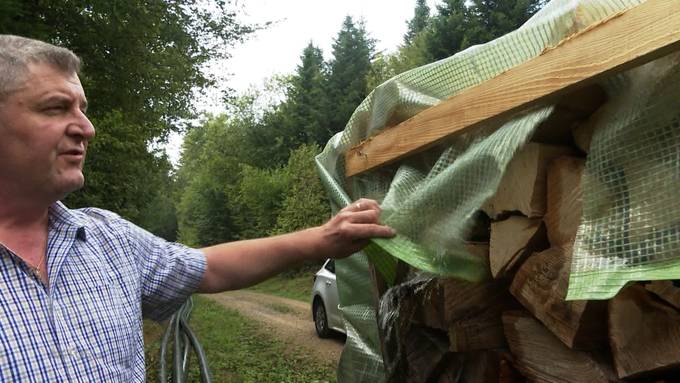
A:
[(330, 266)]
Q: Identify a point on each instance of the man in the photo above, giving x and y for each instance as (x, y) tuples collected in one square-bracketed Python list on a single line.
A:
[(74, 284)]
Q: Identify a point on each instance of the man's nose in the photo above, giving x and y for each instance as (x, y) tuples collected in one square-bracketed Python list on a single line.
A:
[(82, 126)]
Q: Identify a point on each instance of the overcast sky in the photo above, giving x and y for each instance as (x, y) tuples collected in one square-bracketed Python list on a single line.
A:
[(277, 49)]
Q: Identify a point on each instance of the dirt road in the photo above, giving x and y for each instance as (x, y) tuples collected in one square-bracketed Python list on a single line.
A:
[(288, 320)]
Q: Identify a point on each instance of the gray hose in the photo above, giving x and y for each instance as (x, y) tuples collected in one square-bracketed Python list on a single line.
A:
[(184, 339)]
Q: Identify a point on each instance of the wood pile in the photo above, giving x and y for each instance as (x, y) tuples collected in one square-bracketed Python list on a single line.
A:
[(517, 326)]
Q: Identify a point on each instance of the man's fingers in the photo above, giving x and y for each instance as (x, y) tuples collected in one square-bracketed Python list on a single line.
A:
[(365, 216), (363, 204), (372, 230)]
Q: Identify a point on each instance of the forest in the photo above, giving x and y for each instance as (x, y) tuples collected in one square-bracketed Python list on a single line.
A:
[(248, 172)]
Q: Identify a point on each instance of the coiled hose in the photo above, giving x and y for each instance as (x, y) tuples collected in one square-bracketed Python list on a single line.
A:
[(183, 340)]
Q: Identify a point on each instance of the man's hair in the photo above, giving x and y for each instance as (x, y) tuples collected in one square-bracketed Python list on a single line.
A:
[(16, 53)]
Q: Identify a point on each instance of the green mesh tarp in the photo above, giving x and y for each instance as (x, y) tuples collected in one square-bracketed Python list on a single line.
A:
[(629, 229)]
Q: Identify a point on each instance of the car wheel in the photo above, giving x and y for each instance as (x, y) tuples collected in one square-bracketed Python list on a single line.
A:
[(321, 320)]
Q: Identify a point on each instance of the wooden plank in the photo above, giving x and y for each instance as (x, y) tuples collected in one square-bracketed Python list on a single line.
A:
[(644, 333), (632, 38), (543, 358)]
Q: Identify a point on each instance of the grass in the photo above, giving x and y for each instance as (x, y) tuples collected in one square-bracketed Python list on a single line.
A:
[(298, 287), (238, 350)]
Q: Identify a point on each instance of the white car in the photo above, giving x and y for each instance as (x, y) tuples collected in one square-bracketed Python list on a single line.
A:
[(325, 302)]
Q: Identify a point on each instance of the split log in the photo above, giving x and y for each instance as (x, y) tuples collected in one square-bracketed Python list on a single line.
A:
[(564, 200), (430, 309), (666, 290), (473, 313), (541, 285), (522, 187), (512, 240), (644, 333), (583, 131), (541, 357)]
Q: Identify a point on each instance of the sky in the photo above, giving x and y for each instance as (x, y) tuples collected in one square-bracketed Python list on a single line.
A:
[(277, 49)]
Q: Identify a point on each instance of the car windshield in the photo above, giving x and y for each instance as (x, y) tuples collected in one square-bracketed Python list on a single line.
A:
[(330, 266)]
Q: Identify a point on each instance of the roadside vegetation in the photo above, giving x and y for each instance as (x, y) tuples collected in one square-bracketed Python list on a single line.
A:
[(238, 350), (298, 287)]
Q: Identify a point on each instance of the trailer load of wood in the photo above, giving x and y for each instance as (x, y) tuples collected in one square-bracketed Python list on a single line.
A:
[(535, 200)]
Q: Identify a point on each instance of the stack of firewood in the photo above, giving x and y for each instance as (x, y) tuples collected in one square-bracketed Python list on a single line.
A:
[(517, 326)]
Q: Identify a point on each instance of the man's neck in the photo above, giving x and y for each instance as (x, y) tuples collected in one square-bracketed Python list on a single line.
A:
[(23, 231), (16, 216)]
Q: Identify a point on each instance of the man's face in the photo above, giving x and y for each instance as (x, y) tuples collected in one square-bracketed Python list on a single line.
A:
[(44, 135)]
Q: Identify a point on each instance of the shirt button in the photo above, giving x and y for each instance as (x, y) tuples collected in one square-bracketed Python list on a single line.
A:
[(73, 352)]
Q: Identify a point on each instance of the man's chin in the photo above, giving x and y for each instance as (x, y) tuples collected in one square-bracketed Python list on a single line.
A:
[(71, 185)]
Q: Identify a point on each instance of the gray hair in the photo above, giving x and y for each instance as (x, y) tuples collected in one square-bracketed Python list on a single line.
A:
[(16, 53)]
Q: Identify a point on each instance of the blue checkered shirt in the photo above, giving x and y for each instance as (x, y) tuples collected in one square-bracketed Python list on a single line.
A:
[(104, 275)]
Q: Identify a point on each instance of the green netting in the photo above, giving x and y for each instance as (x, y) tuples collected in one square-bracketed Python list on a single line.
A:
[(629, 229)]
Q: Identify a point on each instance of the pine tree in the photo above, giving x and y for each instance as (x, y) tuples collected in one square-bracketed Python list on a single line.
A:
[(352, 51), (460, 24), (491, 19), (420, 20), (447, 33), (304, 112)]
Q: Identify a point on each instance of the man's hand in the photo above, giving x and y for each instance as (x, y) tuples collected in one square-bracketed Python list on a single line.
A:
[(240, 264), (351, 229)]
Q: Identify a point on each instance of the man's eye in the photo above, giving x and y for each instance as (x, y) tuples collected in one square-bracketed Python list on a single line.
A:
[(53, 109)]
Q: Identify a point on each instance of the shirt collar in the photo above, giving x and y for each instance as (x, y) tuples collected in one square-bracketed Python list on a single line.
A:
[(64, 218)]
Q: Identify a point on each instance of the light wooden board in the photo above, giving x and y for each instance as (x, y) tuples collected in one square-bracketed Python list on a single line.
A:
[(642, 34)]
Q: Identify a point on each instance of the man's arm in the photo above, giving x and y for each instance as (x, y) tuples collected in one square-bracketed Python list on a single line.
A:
[(240, 264)]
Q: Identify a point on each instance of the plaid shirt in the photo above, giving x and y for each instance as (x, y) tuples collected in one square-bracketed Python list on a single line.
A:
[(104, 274)]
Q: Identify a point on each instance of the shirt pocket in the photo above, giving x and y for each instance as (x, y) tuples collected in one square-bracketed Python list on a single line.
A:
[(101, 305)]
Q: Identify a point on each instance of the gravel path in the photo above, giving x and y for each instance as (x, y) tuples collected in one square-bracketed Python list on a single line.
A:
[(287, 319)]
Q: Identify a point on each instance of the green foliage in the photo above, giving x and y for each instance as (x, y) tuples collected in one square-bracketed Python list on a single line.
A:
[(143, 58), (420, 20), (207, 178), (447, 32), (305, 203), (305, 112), (259, 200), (459, 25)]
